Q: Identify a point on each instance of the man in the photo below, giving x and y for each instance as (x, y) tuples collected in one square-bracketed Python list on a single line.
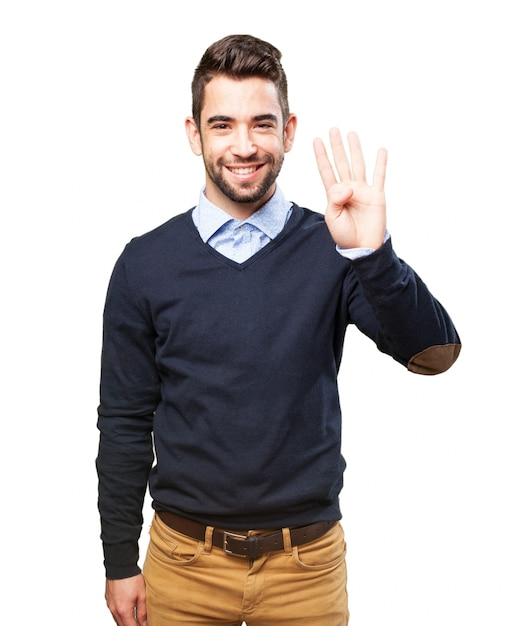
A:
[(222, 342)]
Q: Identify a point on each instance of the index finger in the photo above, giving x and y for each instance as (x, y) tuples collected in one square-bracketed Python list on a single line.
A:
[(324, 165)]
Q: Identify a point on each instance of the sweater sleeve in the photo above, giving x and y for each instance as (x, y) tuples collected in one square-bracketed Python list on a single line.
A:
[(393, 306), (129, 394)]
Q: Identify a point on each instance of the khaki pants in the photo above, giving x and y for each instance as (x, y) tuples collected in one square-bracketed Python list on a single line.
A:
[(193, 582)]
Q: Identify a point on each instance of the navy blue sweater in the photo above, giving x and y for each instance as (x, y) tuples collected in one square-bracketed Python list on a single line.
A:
[(229, 371)]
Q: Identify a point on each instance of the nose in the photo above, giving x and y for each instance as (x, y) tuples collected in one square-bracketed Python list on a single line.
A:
[(243, 145)]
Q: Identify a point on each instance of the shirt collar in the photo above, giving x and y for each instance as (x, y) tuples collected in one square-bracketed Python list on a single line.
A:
[(270, 218)]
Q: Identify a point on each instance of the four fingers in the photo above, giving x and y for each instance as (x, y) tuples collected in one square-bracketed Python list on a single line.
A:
[(347, 170)]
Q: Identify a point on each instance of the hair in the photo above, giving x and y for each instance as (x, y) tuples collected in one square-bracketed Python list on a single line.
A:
[(239, 57)]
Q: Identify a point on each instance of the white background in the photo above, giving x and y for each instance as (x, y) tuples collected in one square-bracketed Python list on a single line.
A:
[(93, 152)]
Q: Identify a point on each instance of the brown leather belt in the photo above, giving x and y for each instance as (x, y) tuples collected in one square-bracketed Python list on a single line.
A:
[(245, 545)]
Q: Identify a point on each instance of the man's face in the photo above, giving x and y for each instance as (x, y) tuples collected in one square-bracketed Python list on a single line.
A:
[(243, 141)]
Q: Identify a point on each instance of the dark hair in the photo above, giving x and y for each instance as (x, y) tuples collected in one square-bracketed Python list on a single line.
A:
[(239, 57)]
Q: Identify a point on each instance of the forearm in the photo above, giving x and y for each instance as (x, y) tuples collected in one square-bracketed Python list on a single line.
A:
[(406, 320), (124, 461)]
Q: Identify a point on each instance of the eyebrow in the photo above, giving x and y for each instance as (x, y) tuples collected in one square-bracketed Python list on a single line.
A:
[(256, 118)]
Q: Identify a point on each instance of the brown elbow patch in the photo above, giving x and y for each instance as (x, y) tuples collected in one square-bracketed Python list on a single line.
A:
[(434, 360)]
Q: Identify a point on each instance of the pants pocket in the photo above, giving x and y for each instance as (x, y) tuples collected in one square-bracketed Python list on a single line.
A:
[(324, 553), (169, 547)]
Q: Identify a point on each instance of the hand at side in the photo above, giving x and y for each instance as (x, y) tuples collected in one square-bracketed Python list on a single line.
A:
[(126, 599)]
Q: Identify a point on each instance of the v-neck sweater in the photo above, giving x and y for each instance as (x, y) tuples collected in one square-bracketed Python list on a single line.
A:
[(229, 372)]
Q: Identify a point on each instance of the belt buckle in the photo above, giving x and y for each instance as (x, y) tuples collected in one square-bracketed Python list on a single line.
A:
[(228, 535)]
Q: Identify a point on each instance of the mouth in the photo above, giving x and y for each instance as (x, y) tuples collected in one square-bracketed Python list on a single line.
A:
[(243, 170)]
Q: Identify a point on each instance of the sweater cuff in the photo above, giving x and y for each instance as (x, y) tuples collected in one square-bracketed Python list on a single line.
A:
[(121, 561), (379, 265)]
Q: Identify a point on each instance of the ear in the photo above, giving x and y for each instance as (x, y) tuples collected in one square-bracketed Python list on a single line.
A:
[(289, 132), (194, 137)]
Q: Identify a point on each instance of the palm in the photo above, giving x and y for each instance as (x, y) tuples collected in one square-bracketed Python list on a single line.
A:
[(355, 214)]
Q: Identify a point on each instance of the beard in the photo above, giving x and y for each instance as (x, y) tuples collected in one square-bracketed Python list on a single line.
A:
[(244, 192)]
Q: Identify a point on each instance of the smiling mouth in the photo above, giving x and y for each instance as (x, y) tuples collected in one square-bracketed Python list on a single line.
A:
[(244, 171)]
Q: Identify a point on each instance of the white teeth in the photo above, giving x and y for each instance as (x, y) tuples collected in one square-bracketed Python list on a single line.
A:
[(243, 170)]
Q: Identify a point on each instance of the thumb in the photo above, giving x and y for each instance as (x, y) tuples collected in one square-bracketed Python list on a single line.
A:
[(338, 196)]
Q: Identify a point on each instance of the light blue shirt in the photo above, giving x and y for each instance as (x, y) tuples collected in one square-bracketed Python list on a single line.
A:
[(240, 239)]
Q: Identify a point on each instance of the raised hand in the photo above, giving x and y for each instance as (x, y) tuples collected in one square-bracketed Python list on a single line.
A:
[(356, 211)]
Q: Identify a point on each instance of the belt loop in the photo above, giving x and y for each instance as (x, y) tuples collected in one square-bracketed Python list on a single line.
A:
[(287, 541), (208, 540)]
